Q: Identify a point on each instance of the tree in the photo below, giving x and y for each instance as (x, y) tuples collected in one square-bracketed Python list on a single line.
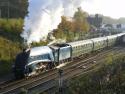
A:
[(64, 30), (81, 24), (65, 25), (73, 28), (98, 21), (13, 8)]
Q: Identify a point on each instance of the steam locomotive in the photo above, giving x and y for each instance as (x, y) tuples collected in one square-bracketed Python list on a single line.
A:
[(38, 59)]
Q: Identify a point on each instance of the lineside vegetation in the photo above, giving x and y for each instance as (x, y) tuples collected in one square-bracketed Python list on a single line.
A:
[(10, 42), (108, 79)]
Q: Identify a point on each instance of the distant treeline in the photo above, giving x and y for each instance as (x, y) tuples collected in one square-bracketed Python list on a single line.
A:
[(109, 20)]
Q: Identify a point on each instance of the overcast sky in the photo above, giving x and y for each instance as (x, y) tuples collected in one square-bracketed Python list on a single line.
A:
[(112, 8)]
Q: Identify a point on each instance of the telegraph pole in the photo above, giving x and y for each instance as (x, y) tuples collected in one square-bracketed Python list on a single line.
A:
[(60, 82), (8, 10), (0, 13)]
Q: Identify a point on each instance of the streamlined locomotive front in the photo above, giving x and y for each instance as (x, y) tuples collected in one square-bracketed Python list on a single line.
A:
[(20, 62), (33, 62)]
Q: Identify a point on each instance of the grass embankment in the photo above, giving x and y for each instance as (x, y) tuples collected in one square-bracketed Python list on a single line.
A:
[(108, 79), (10, 42)]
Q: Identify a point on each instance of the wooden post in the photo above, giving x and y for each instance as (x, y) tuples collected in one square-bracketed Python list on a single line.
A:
[(60, 82), (0, 13), (8, 10)]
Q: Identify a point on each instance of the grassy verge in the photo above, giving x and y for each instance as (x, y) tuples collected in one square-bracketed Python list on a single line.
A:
[(108, 79), (8, 51), (10, 43)]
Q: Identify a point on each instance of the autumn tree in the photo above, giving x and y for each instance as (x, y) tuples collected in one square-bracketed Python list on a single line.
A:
[(81, 24), (72, 28), (65, 29), (65, 25)]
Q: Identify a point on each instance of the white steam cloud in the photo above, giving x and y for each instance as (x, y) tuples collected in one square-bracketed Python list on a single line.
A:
[(45, 15)]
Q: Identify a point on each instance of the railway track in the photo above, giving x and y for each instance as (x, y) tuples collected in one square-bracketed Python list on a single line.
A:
[(75, 72), (80, 71), (12, 81), (50, 75)]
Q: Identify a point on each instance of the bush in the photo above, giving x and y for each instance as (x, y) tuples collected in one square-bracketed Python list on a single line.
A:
[(23, 91), (11, 25), (8, 51), (108, 79), (10, 42)]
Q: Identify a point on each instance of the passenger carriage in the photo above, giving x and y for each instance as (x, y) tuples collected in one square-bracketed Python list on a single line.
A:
[(99, 43), (121, 39), (81, 47), (112, 40)]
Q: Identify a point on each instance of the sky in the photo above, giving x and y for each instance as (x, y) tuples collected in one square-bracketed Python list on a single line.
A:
[(112, 8)]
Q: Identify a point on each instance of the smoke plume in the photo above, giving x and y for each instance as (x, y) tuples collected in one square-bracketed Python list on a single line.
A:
[(44, 16)]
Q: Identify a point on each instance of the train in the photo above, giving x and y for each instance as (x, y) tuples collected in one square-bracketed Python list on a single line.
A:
[(35, 60)]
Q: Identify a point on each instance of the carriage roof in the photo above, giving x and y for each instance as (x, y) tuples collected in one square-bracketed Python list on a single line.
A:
[(99, 39), (78, 43)]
